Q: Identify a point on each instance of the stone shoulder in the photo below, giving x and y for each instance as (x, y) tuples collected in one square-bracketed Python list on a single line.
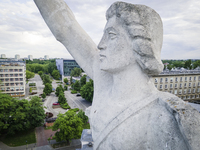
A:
[(187, 118)]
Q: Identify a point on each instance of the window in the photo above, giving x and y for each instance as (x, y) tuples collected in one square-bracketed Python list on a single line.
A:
[(171, 85), (190, 78), (198, 83), (6, 75), (184, 97), (180, 92), (1, 75), (11, 79), (189, 84), (194, 85), (16, 75), (175, 92), (2, 80), (194, 78), (11, 75), (175, 85), (193, 97), (12, 89), (2, 89), (16, 79), (166, 79), (180, 85), (21, 79), (17, 88), (185, 91), (6, 84), (5, 70), (21, 88), (185, 85), (188, 97), (199, 77), (161, 79), (20, 75), (16, 84), (12, 84), (160, 86), (171, 79), (171, 91), (166, 86), (185, 78), (197, 96), (198, 90), (8, 89), (6, 79), (20, 70), (189, 90), (1, 70), (193, 90), (181, 79), (16, 70), (10, 70), (176, 79), (21, 83), (156, 80)]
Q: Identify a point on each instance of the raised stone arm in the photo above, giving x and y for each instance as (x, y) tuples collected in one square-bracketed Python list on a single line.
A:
[(67, 30)]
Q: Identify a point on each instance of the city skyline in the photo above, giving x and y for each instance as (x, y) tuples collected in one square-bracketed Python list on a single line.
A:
[(24, 32)]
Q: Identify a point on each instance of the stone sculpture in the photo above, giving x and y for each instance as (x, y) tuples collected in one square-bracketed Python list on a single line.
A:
[(128, 112)]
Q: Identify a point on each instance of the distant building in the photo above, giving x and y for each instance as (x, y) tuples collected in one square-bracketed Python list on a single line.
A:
[(30, 57), (13, 77), (181, 82), (46, 57), (17, 56), (65, 66), (3, 56)]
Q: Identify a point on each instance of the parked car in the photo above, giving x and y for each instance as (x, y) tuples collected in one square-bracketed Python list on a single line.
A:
[(78, 94), (56, 103)]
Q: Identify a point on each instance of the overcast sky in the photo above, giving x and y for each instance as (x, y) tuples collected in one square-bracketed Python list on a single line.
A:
[(23, 31)]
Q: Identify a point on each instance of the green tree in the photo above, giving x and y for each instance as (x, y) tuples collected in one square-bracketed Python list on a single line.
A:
[(83, 80), (66, 87), (87, 91), (51, 67), (76, 72), (59, 89), (46, 79), (69, 125), (56, 74), (71, 80), (36, 113), (43, 95), (29, 74), (40, 73), (6, 102), (196, 64), (77, 86), (66, 81), (47, 88), (81, 114), (188, 64), (61, 98)]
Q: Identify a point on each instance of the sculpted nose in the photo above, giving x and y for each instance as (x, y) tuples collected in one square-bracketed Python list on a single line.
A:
[(102, 45)]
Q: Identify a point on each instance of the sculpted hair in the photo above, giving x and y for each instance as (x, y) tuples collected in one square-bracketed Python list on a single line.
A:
[(145, 28)]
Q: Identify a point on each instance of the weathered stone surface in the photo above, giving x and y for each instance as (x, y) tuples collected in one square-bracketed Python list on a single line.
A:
[(127, 111)]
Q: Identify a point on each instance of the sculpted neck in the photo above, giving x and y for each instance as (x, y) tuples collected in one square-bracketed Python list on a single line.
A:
[(132, 83)]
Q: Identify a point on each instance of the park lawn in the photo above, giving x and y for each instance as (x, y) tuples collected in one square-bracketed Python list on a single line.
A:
[(20, 138)]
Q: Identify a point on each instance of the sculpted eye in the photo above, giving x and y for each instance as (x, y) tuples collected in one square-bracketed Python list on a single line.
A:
[(112, 35)]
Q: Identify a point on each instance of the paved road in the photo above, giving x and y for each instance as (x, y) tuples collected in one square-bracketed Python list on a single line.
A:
[(76, 102)]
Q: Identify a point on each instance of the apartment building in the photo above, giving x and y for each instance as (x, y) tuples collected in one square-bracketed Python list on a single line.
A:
[(183, 83), (12, 77)]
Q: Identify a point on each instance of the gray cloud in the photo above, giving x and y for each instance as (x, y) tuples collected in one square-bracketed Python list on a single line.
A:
[(24, 32)]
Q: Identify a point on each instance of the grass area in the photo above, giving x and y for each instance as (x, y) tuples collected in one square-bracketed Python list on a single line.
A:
[(47, 128), (20, 138), (34, 88)]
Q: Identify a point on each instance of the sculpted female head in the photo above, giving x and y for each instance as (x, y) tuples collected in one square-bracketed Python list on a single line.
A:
[(135, 27)]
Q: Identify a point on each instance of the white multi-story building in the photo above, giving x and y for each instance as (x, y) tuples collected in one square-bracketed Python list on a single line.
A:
[(46, 57), (30, 57), (3, 56), (17, 56), (183, 83), (13, 77)]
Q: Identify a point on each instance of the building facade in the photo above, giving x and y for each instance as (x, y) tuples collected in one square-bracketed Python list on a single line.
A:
[(46, 57), (13, 77), (183, 83), (17, 56), (65, 66), (30, 57), (3, 56)]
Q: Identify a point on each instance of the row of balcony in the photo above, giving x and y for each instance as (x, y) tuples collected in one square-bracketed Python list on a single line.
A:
[(11, 75), (11, 70), (12, 79)]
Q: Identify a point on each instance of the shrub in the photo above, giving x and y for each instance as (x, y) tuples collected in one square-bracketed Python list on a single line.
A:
[(65, 106), (74, 110), (66, 87), (73, 92)]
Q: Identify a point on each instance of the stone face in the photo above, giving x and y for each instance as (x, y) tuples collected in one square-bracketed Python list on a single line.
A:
[(127, 111)]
